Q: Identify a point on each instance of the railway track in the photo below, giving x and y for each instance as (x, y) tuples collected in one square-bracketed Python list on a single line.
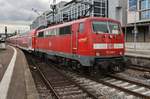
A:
[(129, 86), (61, 86), (123, 87), (139, 68), (128, 80), (68, 85), (43, 91), (144, 69)]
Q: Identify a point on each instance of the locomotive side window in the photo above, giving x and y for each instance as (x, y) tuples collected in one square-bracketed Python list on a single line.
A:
[(65, 30), (41, 34), (81, 27), (51, 32), (57, 31), (54, 32), (46, 33)]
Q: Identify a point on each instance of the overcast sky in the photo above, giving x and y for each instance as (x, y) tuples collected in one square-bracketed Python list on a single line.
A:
[(21, 10)]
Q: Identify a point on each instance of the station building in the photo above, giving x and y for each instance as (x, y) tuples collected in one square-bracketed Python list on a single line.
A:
[(115, 9), (138, 15)]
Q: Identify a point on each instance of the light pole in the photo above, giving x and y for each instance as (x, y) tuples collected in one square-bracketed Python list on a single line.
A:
[(135, 32)]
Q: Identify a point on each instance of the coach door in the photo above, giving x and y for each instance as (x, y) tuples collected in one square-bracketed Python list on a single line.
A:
[(74, 37)]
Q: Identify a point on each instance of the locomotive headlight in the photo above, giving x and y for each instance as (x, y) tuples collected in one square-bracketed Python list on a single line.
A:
[(121, 53)]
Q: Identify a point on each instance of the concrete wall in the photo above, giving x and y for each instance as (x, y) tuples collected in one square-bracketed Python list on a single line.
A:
[(139, 46), (117, 10), (123, 4), (112, 8)]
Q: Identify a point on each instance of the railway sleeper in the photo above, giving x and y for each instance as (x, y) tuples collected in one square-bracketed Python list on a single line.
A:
[(81, 96), (67, 89), (78, 92)]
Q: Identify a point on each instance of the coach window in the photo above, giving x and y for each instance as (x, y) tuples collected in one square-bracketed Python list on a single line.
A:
[(65, 30), (81, 28), (57, 31), (41, 34), (46, 33)]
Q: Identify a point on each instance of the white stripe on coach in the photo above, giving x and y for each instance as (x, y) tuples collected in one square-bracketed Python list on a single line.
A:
[(5, 82)]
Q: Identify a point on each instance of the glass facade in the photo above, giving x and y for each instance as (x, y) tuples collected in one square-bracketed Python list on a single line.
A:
[(145, 4), (144, 9), (74, 11), (100, 8), (132, 5)]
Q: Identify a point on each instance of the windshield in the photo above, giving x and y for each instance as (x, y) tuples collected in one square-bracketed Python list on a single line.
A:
[(106, 27)]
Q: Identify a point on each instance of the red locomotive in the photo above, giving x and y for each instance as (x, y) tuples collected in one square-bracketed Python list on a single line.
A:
[(92, 42)]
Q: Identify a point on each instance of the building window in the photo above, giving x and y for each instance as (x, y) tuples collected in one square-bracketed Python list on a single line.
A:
[(97, 10), (100, 8), (144, 4), (144, 9), (132, 5), (145, 15)]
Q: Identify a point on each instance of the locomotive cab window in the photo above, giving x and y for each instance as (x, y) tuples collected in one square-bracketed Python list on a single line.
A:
[(100, 27), (41, 34), (81, 28), (65, 30), (114, 28), (106, 27)]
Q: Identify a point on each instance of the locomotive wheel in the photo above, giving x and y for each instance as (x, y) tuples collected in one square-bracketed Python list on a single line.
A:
[(74, 67), (116, 68), (79, 68)]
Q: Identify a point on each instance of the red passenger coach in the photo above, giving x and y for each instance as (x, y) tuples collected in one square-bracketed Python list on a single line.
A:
[(89, 42), (26, 40), (12, 40)]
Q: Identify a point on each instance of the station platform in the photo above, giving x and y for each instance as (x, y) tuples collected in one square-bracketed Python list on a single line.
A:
[(142, 50), (139, 56), (16, 81), (138, 53)]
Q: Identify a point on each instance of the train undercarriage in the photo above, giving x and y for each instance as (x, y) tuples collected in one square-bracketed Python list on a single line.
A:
[(103, 65)]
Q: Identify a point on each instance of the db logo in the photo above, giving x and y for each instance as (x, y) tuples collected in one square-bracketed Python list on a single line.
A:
[(110, 46), (50, 44)]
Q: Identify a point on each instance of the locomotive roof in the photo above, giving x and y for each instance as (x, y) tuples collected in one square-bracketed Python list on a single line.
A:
[(78, 21)]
